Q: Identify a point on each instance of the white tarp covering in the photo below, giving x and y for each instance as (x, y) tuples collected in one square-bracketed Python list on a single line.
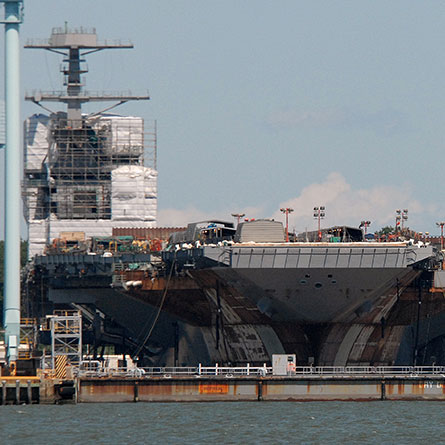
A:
[(127, 132), (37, 236), (133, 193), (36, 141), (31, 195)]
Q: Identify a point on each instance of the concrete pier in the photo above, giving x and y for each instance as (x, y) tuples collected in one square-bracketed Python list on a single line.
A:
[(35, 390), (19, 390), (204, 389), (207, 384)]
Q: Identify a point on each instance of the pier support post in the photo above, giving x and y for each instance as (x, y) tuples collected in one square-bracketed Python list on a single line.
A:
[(383, 391), (17, 392), (260, 390), (136, 392), (77, 388), (29, 393), (3, 392)]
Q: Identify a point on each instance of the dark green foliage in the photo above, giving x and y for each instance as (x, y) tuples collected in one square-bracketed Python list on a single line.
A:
[(23, 260), (385, 231)]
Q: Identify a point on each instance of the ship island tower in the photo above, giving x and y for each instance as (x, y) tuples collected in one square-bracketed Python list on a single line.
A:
[(85, 174)]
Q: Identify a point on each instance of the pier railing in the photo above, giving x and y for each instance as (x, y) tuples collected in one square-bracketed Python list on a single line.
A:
[(95, 369), (369, 370)]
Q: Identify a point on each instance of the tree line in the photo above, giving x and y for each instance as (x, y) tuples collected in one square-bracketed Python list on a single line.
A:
[(23, 260)]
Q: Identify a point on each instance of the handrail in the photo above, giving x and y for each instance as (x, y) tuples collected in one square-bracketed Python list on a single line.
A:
[(95, 369)]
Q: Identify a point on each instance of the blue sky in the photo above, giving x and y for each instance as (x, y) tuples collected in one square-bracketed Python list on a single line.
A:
[(262, 104)]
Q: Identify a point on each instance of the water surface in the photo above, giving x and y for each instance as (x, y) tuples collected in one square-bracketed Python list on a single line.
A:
[(225, 423)]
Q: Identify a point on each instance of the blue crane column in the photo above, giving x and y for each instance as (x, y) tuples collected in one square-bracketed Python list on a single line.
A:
[(11, 308)]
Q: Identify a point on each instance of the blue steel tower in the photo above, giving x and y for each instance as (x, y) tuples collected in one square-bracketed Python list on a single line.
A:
[(12, 19)]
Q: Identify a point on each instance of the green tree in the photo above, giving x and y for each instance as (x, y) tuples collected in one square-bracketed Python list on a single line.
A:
[(23, 261), (385, 230)]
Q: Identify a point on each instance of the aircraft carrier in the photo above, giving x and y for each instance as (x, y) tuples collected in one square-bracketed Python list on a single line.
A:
[(214, 293), (237, 301)]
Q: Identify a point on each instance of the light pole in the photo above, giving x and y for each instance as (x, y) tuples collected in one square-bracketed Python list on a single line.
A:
[(441, 224), (398, 218), (286, 211), (319, 214), (238, 216), (365, 224), (404, 216)]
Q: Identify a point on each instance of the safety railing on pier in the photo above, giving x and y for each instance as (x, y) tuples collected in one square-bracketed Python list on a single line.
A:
[(369, 370), (95, 369)]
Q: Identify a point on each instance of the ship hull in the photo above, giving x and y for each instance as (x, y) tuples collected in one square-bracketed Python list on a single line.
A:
[(305, 282), (312, 295), (238, 305)]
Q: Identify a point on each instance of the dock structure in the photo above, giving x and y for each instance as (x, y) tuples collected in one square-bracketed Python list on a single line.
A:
[(262, 384), (187, 389), (88, 384), (18, 390)]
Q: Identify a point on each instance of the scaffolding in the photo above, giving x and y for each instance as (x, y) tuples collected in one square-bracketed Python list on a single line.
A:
[(66, 338), (88, 172), (28, 337), (68, 171)]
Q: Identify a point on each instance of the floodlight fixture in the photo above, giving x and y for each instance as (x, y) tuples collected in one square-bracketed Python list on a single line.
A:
[(238, 216), (286, 211), (441, 224), (319, 214)]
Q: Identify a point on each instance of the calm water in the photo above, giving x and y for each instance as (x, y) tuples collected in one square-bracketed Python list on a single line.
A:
[(225, 423)]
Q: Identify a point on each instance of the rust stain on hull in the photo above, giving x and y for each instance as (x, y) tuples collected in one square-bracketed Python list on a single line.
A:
[(213, 388)]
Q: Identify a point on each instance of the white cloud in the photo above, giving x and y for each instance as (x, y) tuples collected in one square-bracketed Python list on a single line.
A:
[(179, 218), (344, 205)]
